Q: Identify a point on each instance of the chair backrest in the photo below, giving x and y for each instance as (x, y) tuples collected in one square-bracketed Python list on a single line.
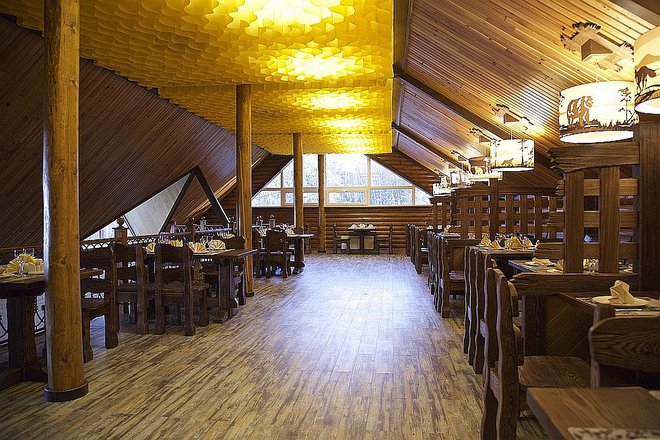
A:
[(173, 264), (629, 342), (507, 359), (256, 239), (99, 258), (130, 263), (453, 253), (237, 242), (275, 240)]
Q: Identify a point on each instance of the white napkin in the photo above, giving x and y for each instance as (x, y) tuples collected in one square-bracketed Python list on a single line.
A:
[(495, 244), (151, 247), (543, 261), (217, 244), (527, 242), (515, 243), (176, 243), (620, 293), (289, 231), (485, 241), (560, 264), (197, 247)]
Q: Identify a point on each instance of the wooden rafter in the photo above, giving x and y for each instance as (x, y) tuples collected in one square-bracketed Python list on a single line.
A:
[(426, 144)]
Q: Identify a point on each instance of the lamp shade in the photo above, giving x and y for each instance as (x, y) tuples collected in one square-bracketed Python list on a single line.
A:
[(647, 72), (596, 112), (442, 187), (512, 155), (481, 171)]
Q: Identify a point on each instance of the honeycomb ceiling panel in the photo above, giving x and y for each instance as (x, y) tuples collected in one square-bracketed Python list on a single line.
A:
[(321, 67)]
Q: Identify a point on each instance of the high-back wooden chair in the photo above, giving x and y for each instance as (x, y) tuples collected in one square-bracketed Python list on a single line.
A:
[(338, 240), (99, 297), (277, 253), (434, 261), (419, 249), (470, 268), (622, 346), (408, 239), (453, 276), (483, 262), (258, 258), (384, 241), (133, 287), (507, 372), (175, 285)]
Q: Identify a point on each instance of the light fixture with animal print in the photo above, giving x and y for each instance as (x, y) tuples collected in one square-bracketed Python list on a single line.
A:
[(597, 112), (647, 72)]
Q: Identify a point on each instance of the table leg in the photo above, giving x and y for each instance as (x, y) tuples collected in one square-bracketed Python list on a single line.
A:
[(227, 302), (299, 256), (23, 363)]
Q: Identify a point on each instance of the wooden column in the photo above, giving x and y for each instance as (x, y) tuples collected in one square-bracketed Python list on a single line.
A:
[(647, 134), (609, 221), (244, 175), (573, 221), (321, 187), (434, 202), (298, 214), (66, 379), (493, 208)]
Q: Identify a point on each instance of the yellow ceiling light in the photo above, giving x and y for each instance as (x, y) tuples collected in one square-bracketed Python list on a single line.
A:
[(344, 124), (330, 100), (281, 14), (305, 66)]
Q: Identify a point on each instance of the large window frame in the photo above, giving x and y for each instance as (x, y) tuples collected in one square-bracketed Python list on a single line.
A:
[(329, 190)]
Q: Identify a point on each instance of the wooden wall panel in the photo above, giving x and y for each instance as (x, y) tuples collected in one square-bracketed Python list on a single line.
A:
[(132, 142)]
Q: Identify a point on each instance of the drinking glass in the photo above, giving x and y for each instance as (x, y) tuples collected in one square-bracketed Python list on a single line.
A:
[(21, 256)]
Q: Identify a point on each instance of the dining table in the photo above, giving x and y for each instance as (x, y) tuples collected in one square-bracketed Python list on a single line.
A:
[(596, 413), (298, 241), (20, 292), (502, 256), (361, 233), (584, 301)]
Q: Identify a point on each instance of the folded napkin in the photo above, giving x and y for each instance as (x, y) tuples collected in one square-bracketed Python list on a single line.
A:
[(515, 243), (216, 244), (620, 293), (289, 231), (176, 243), (262, 232), (36, 267), (485, 241), (151, 247), (471, 235), (197, 247), (543, 261), (559, 265), (228, 235), (495, 244), (527, 242), (5, 271), (371, 226)]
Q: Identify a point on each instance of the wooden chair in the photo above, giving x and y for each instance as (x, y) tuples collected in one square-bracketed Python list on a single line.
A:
[(408, 239), (420, 249), (99, 297), (175, 285), (470, 269), (434, 261), (133, 287), (338, 240), (475, 305), (258, 258), (507, 372), (278, 252), (623, 346), (383, 241), (453, 275)]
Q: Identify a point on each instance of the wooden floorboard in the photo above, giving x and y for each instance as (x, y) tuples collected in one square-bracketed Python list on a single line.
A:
[(350, 349)]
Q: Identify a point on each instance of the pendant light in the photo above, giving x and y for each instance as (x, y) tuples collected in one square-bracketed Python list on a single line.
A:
[(596, 112), (647, 72)]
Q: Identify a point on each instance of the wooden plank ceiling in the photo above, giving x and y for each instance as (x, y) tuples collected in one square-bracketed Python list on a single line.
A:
[(132, 142), (474, 54)]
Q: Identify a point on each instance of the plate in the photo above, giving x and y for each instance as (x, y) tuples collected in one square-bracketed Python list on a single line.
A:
[(607, 300)]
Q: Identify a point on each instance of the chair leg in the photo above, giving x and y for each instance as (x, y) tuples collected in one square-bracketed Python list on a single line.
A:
[(285, 265), (466, 329), (111, 337), (489, 419), (88, 355), (203, 309)]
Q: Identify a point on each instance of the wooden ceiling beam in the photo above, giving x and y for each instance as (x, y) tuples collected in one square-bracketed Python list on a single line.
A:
[(466, 114), (424, 143), (402, 14), (648, 10)]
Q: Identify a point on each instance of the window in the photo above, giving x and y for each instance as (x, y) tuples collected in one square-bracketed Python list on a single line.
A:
[(351, 180)]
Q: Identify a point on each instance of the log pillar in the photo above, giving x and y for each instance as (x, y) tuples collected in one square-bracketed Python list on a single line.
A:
[(298, 213), (244, 175), (647, 135), (573, 221), (66, 379), (321, 187)]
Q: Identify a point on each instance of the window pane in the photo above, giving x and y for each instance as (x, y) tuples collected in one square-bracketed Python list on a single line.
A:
[(310, 171), (275, 183), (288, 198), (391, 197), (346, 170), (310, 198), (267, 198), (381, 176), (421, 197), (346, 197)]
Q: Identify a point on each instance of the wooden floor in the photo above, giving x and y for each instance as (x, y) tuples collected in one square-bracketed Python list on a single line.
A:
[(350, 349)]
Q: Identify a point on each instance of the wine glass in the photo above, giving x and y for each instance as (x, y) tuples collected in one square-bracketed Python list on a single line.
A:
[(20, 255)]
